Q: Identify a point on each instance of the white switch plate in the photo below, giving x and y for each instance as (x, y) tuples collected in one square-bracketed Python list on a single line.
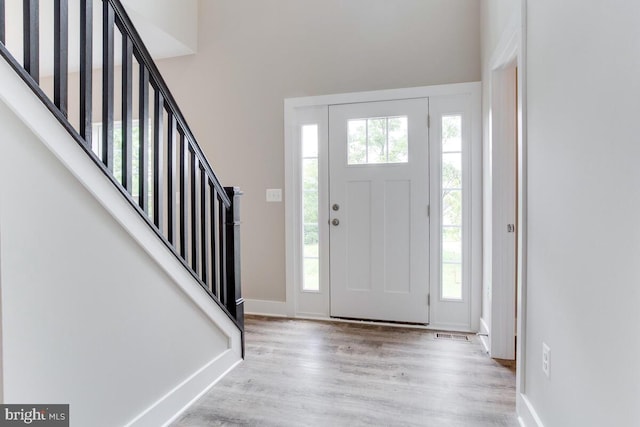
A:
[(546, 359), (274, 194)]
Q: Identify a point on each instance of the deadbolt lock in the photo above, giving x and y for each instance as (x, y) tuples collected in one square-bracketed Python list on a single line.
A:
[(335, 207), (335, 221)]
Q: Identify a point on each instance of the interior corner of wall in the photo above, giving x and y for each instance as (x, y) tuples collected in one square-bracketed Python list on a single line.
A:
[(166, 37)]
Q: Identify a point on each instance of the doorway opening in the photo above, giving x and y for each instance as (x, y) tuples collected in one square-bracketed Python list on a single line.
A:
[(383, 193)]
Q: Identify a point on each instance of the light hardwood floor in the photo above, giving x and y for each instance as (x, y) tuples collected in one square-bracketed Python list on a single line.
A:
[(312, 373)]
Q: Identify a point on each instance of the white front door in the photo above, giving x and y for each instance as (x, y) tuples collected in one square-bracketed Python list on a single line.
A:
[(379, 210)]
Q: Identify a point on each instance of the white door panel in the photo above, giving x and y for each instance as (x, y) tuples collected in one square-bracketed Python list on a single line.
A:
[(379, 183)]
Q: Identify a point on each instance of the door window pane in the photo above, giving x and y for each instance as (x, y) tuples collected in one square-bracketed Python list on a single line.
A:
[(310, 207), (451, 214), (310, 239), (451, 134), (377, 140), (311, 274), (310, 174), (398, 140), (310, 141), (357, 141), (451, 244), (452, 281), (452, 170), (452, 207)]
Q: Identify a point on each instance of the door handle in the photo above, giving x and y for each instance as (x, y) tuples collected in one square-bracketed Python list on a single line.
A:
[(335, 221)]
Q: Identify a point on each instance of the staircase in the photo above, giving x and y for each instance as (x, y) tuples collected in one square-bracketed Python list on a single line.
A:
[(149, 173)]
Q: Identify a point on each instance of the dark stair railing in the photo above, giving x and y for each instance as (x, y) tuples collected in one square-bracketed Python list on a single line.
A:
[(177, 192)]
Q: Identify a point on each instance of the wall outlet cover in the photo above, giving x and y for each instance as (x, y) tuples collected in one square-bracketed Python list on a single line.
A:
[(274, 194), (546, 359)]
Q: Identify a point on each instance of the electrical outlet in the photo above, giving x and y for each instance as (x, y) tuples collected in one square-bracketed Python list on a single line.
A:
[(546, 359), (274, 195)]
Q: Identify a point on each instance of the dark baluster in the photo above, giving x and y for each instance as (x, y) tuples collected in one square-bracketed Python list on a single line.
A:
[(195, 241), (107, 85), (86, 66), (158, 155), (60, 54), (204, 253), (2, 23), (184, 152), (234, 300), (171, 155), (143, 130), (222, 244), (213, 196), (31, 38), (127, 113)]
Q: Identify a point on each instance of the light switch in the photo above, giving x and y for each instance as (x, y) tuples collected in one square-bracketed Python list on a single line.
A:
[(274, 194)]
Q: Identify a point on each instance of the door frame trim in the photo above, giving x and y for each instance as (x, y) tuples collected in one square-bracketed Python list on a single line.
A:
[(512, 45), (292, 186)]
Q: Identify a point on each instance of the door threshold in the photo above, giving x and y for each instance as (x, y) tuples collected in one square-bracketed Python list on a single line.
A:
[(408, 325), (379, 322), (332, 319), (322, 318)]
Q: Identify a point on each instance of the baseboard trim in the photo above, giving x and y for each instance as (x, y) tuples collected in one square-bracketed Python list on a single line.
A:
[(169, 407), (527, 415), (265, 308)]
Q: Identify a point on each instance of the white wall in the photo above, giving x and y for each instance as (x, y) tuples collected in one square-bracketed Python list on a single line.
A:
[(254, 54), (168, 28), (583, 207), (94, 313), (495, 16)]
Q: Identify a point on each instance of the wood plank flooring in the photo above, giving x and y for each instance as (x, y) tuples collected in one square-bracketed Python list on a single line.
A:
[(312, 373)]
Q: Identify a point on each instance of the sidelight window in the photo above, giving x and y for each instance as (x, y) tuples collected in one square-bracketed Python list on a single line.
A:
[(310, 237), (452, 232)]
